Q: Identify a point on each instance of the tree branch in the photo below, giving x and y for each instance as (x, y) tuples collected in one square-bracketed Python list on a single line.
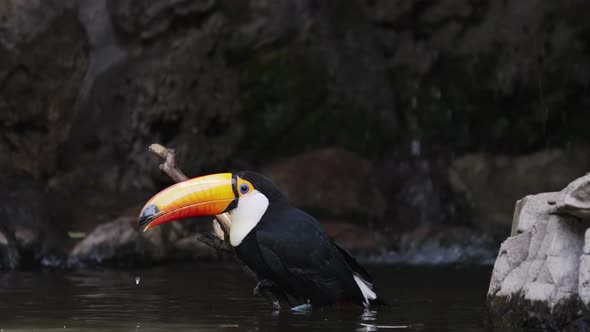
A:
[(169, 165)]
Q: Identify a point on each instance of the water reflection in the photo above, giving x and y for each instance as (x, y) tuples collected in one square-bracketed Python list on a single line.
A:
[(218, 297)]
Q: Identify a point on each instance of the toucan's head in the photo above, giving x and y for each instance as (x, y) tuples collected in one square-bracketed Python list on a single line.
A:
[(245, 195)]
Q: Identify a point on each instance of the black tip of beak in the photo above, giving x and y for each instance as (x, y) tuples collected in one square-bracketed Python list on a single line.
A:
[(147, 215)]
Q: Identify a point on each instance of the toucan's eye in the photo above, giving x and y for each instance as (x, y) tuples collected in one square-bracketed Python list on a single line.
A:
[(244, 188)]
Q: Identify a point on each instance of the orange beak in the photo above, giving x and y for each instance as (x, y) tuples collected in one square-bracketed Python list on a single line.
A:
[(202, 196)]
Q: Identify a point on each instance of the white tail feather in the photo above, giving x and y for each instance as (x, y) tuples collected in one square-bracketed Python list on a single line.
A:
[(366, 288)]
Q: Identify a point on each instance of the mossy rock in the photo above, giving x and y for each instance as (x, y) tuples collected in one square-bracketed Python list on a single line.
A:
[(485, 114), (283, 93), (289, 106)]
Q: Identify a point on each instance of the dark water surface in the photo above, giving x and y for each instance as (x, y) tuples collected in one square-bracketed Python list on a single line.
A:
[(213, 297)]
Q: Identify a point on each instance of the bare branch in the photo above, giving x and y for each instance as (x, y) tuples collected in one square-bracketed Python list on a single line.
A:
[(224, 222), (169, 164)]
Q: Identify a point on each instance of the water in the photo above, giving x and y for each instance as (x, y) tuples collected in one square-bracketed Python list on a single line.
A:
[(213, 297)]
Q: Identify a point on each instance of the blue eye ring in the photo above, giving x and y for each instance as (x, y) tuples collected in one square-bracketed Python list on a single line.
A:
[(244, 188)]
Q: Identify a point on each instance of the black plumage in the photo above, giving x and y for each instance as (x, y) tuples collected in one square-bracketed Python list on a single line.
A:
[(289, 248)]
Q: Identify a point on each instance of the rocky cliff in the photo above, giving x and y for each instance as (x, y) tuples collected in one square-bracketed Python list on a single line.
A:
[(409, 88)]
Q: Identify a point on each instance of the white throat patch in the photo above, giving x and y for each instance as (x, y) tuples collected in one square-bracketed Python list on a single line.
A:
[(251, 208)]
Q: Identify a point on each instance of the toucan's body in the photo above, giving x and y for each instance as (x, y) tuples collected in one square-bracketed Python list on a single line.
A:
[(289, 248), (285, 247)]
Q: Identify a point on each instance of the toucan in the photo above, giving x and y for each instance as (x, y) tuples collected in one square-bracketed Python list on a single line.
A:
[(286, 248)]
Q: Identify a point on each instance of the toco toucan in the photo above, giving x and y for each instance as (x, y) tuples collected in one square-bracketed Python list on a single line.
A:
[(284, 246)]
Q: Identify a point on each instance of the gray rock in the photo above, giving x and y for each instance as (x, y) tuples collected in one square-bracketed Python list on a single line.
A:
[(462, 39), (119, 243), (513, 252), (38, 84), (9, 256), (147, 19), (576, 198), (27, 223), (530, 209), (540, 278)]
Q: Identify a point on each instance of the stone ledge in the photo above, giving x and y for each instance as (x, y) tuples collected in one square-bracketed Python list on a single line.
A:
[(541, 278)]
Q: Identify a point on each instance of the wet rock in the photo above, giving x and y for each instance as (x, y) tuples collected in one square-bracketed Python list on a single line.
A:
[(26, 237), (31, 228), (208, 76), (450, 63), (147, 19), (162, 92), (331, 182), (492, 183), (43, 55), (119, 243), (540, 274), (9, 256), (331, 67), (114, 241), (418, 193)]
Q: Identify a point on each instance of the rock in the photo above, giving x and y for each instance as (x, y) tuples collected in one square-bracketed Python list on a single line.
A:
[(353, 237), (584, 278), (9, 256), (492, 183), (418, 193), (119, 243), (111, 242), (44, 56), (540, 276), (86, 86), (25, 237), (575, 200), (33, 229), (147, 19), (207, 76), (332, 182), (529, 210), (462, 81)]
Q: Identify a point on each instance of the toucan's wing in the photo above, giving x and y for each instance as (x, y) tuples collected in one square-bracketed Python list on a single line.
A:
[(354, 265), (304, 259)]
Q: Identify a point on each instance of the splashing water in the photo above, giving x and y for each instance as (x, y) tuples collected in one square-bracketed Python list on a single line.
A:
[(137, 280)]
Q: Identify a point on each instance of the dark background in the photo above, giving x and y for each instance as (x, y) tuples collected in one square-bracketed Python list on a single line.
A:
[(400, 124)]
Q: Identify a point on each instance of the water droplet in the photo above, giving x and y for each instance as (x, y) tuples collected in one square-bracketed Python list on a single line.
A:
[(137, 280)]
